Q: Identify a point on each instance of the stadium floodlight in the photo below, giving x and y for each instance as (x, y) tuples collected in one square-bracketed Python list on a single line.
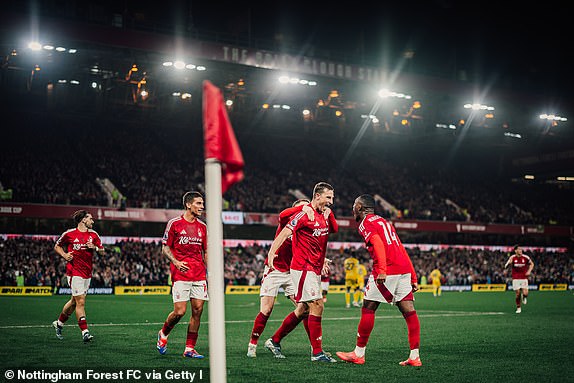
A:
[(306, 112), (552, 117), (386, 93), (34, 45), (190, 66), (48, 47), (228, 102), (179, 64), (201, 68), (72, 50), (528, 177), (94, 84), (513, 135), (284, 79), (167, 63), (74, 82), (60, 49), (478, 106)]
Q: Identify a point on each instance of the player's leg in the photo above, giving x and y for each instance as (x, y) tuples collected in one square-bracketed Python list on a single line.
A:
[(347, 293), (525, 295), (372, 300), (356, 295), (67, 310), (518, 300), (407, 308), (181, 294), (81, 315), (316, 308), (193, 329), (265, 309), (289, 324), (439, 289), (80, 288)]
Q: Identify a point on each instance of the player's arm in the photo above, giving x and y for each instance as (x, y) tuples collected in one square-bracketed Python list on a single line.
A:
[(333, 225), (414, 279), (97, 246), (509, 261), (180, 265), (380, 255), (530, 268), (287, 213), (62, 253), (277, 242)]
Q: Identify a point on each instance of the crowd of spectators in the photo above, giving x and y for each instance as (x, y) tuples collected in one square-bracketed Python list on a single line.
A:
[(135, 263), (154, 167)]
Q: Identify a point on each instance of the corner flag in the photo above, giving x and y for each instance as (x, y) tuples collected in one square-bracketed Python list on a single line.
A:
[(219, 138)]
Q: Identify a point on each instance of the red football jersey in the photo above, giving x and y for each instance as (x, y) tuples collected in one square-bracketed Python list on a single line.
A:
[(284, 254), (188, 242), (309, 241), (398, 261), (75, 241), (520, 266)]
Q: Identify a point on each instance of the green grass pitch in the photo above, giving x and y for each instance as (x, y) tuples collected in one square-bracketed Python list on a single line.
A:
[(465, 337)]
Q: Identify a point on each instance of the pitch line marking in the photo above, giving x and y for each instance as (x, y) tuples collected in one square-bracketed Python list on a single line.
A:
[(450, 314)]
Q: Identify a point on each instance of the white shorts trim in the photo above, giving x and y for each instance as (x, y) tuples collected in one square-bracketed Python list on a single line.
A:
[(79, 285), (307, 286), (183, 291), (395, 289), (518, 284), (325, 286), (275, 279)]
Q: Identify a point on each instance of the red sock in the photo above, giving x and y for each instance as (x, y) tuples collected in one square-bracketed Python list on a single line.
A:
[(191, 339), (289, 323), (366, 325), (518, 301), (63, 317), (315, 333), (414, 329), (305, 320), (258, 327), (166, 329), (82, 323)]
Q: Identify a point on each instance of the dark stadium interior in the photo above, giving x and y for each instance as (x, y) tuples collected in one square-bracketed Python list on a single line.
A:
[(72, 118)]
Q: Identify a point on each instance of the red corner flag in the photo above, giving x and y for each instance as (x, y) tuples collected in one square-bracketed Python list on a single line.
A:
[(219, 139)]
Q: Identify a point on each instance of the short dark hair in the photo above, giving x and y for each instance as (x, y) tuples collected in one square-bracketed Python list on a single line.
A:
[(321, 187), (79, 215), (300, 200), (189, 197), (515, 247), (367, 202)]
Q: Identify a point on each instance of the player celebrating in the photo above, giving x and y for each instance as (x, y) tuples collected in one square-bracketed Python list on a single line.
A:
[(522, 266), (393, 280), (309, 245), (279, 277), (185, 245), (77, 246)]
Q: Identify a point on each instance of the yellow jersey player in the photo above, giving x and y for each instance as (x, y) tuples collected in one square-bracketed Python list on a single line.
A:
[(435, 277), (360, 292), (351, 279)]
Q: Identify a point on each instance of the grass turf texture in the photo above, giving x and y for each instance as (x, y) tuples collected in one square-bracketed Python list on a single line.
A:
[(465, 337)]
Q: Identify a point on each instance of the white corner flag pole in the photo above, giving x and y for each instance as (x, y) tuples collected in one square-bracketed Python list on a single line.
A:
[(216, 288)]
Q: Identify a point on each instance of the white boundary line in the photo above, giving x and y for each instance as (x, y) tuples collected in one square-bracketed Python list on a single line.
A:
[(447, 314)]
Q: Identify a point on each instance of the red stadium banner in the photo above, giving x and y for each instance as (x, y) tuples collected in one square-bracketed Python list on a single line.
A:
[(28, 210)]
